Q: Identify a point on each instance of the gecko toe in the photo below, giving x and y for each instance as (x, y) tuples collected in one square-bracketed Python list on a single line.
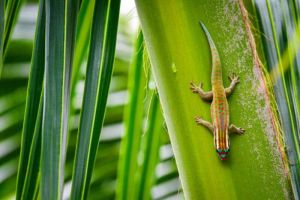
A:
[(198, 120), (193, 87), (234, 78), (241, 131)]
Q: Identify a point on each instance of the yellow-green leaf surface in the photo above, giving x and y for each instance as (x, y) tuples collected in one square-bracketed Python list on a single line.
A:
[(179, 53)]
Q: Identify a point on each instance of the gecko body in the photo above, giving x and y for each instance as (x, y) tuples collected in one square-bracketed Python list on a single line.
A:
[(219, 107)]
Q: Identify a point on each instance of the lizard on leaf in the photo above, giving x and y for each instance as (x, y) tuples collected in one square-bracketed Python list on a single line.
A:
[(219, 107)]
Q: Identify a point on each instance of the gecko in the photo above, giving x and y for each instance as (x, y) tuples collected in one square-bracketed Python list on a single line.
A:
[(219, 106)]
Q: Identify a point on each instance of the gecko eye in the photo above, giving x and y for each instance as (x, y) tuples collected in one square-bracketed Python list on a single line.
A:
[(219, 150)]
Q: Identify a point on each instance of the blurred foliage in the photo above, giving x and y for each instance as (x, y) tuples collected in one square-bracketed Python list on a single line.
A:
[(13, 86), (278, 23)]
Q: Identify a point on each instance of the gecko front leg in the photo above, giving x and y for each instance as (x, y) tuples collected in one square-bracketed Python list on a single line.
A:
[(234, 81), (207, 124), (207, 96), (233, 129)]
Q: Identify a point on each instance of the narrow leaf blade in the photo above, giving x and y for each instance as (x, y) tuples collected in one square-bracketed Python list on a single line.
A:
[(134, 125), (151, 149), (52, 157), (2, 16), (11, 14), (99, 70), (33, 102)]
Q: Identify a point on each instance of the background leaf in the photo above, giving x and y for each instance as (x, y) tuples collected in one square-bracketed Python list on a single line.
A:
[(2, 16), (53, 138), (280, 38), (12, 9), (99, 70), (31, 134), (134, 125), (151, 148)]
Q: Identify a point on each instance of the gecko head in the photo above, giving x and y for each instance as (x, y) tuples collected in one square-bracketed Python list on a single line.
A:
[(223, 153)]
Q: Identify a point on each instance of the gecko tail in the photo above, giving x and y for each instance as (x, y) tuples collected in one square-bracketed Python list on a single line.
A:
[(202, 26), (208, 36)]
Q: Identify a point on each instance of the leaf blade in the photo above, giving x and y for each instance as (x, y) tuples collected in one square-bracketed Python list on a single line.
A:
[(99, 70), (12, 9), (134, 125), (151, 149), (2, 16), (53, 138), (34, 94)]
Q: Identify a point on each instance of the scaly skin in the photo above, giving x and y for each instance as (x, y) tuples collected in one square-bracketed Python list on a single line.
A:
[(219, 107)]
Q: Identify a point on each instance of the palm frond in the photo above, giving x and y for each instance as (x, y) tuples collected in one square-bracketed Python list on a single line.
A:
[(99, 70), (31, 135), (280, 33)]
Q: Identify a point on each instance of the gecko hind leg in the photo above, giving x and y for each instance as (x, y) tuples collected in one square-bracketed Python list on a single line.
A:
[(207, 96), (207, 124), (233, 129), (234, 81)]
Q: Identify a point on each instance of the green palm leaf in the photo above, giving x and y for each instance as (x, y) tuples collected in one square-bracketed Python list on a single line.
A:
[(280, 36), (134, 125), (55, 105), (184, 56), (12, 9), (99, 70), (31, 134), (2, 15), (150, 150)]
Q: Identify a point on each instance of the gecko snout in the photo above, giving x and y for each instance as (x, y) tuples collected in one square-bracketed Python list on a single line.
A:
[(223, 153)]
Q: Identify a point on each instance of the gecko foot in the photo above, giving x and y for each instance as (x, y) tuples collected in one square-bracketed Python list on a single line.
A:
[(234, 78), (206, 124), (195, 88), (199, 120), (236, 130), (240, 131)]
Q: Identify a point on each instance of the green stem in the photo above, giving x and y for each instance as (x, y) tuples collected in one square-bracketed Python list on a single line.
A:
[(179, 54)]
